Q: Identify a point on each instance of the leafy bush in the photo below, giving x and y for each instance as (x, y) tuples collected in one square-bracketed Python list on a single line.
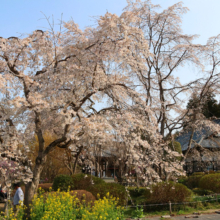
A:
[(113, 189), (210, 172), (83, 181), (138, 213), (63, 182), (198, 173), (202, 192), (83, 196), (183, 180), (193, 181), (176, 145), (104, 209), (164, 192), (137, 191), (45, 186), (210, 182)]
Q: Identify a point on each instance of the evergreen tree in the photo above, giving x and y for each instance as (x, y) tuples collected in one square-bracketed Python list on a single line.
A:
[(210, 107)]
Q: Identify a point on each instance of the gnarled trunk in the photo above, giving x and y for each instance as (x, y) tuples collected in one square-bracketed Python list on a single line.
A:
[(31, 187)]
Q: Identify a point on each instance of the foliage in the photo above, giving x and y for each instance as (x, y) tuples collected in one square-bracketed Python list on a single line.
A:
[(183, 180), (84, 181), (137, 191), (116, 190), (176, 145), (138, 213), (45, 186), (168, 191), (202, 192), (210, 107), (193, 181), (92, 184), (63, 182), (198, 173), (84, 196), (210, 182), (55, 160), (211, 172), (65, 205), (105, 209)]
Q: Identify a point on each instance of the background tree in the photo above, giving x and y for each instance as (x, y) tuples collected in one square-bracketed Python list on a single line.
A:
[(170, 49), (202, 92), (210, 107)]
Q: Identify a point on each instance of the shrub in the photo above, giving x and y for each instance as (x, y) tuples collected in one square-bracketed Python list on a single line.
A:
[(210, 182), (193, 181), (176, 145), (82, 181), (136, 191), (202, 192), (84, 196), (210, 172), (198, 173), (63, 182), (45, 186), (113, 189), (104, 209), (183, 180), (164, 192)]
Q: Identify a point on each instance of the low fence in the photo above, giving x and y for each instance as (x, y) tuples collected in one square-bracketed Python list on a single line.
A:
[(175, 206)]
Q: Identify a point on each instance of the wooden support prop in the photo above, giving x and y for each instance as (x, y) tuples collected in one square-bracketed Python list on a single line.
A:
[(170, 206)]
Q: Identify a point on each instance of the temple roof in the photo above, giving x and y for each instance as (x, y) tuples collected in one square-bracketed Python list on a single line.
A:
[(204, 137)]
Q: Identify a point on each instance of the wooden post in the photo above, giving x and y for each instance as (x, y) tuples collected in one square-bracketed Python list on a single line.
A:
[(216, 197), (170, 206)]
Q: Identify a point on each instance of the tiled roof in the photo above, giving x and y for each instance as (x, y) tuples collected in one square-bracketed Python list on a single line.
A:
[(202, 137)]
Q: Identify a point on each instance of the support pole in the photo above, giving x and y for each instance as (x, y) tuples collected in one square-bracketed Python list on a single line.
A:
[(170, 207)]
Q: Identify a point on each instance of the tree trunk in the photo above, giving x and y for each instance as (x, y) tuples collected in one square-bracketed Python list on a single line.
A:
[(76, 160), (96, 168), (31, 187), (190, 143)]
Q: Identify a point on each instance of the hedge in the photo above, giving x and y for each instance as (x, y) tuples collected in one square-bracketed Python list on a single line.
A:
[(114, 189), (63, 182), (210, 182), (164, 192), (83, 181)]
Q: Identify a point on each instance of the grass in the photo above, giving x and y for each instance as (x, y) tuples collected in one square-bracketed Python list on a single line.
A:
[(197, 204)]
